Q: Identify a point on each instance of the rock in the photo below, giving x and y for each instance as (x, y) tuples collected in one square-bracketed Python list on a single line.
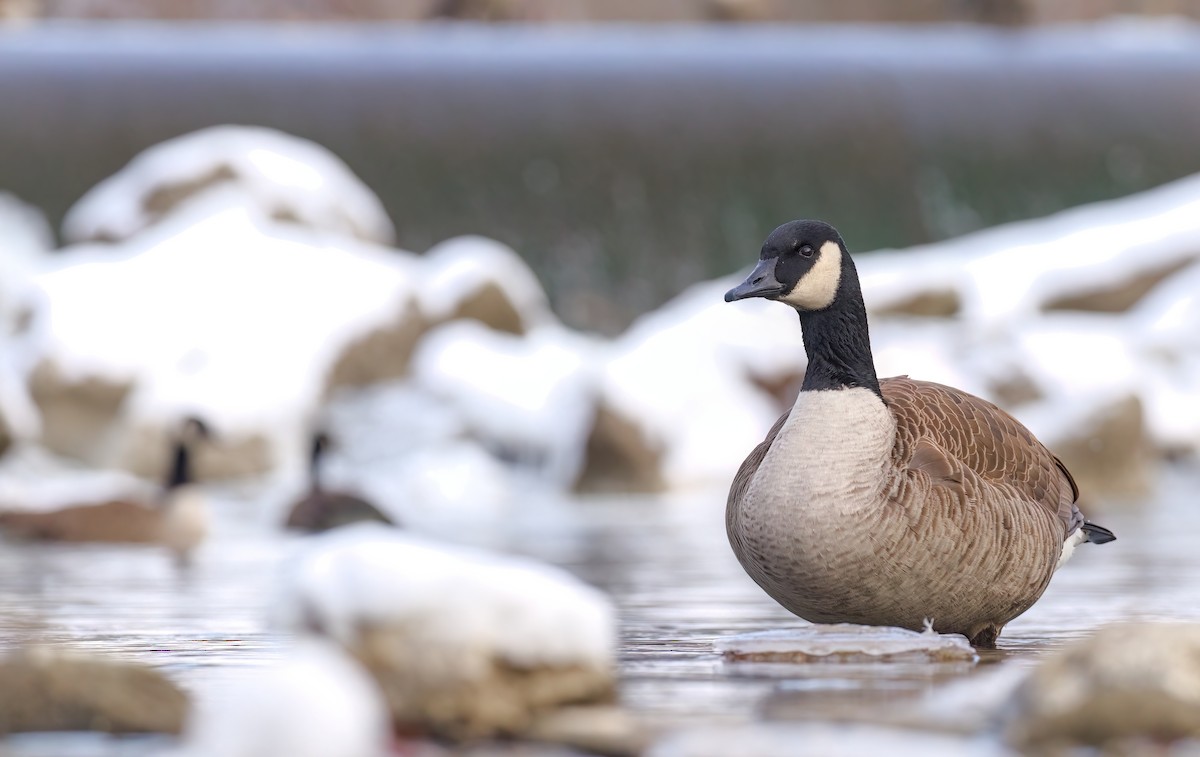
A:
[(619, 456), (43, 689), (463, 643), (484, 280), (380, 354), (79, 414), (940, 303), (597, 729), (6, 436), (1127, 682), (527, 399), (223, 315), (1108, 451), (284, 177), (1121, 296), (845, 643)]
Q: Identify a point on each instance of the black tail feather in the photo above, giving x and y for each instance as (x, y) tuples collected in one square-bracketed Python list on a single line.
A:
[(1097, 534)]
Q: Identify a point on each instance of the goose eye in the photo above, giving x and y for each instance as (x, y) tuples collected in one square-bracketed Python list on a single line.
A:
[(806, 251)]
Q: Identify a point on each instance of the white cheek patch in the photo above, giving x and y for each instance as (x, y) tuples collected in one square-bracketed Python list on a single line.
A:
[(818, 287)]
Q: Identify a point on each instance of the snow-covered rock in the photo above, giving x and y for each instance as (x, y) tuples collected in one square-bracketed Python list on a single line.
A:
[(219, 314), (316, 701), (411, 454), (25, 237), (283, 177), (478, 278), (528, 398), (463, 642), (693, 374)]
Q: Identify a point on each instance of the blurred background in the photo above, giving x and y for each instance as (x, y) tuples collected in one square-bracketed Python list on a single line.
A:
[(483, 244)]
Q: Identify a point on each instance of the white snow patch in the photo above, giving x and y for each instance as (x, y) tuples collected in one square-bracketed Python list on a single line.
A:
[(315, 702), (511, 608), (280, 175)]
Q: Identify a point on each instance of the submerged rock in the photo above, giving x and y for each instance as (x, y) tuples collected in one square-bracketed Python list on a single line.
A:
[(845, 643), (50, 690), (1127, 682), (463, 643)]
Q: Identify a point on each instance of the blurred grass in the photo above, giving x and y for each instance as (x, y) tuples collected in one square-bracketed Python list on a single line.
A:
[(623, 182)]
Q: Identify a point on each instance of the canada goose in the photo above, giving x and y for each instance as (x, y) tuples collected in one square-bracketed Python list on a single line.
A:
[(890, 502), (177, 518), (321, 509)]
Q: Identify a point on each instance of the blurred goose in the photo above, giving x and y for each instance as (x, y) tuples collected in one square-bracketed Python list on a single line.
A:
[(321, 509), (176, 518), (890, 502)]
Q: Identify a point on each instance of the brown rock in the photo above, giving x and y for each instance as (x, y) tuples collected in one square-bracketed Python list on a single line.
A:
[(1119, 298), (939, 303), (50, 690), (619, 456), (78, 415), (380, 354), (1129, 681), (430, 690), (5, 435), (1016, 388), (491, 306), (1110, 451)]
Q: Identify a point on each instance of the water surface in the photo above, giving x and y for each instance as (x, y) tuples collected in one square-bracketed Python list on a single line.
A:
[(663, 559)]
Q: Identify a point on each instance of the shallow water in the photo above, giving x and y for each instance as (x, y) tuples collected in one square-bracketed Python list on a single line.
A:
[(664, 560)]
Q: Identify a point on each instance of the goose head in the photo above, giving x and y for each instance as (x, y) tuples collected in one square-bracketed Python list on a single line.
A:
[(801, 264), (193, 430)]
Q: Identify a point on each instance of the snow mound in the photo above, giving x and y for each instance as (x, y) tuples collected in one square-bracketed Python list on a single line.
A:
[(285, 177), (455, 598), (476, 277), (315, 702), (223, 315), (531, 399)]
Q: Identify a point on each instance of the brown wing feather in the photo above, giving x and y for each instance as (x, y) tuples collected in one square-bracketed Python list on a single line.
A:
[(939, 429)]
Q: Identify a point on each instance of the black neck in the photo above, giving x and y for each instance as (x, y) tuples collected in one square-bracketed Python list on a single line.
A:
[(181, 467), (837, 341), (314, 465)]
